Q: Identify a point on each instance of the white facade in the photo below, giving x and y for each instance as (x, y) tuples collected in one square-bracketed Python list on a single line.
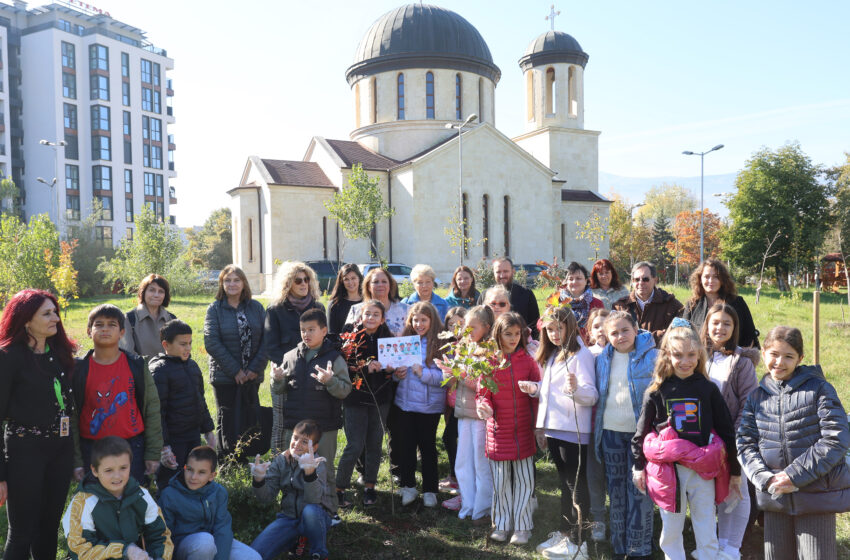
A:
[(81, 82)]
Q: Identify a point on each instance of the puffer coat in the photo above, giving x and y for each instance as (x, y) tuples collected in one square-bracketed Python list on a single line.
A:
[(221, 340), (798, 426), (510, 431)]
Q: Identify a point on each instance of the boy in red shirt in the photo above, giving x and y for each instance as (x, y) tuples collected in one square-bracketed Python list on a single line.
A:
[(115, 395)]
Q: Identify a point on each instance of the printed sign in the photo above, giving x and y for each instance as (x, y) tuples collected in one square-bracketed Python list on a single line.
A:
[(399, 351)]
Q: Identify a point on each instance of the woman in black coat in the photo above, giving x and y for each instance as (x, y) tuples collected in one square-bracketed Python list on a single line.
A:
[(345, 293)]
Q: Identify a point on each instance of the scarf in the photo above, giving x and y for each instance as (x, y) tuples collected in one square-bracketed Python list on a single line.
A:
[(244, 336), (300, 304), (581, 307)]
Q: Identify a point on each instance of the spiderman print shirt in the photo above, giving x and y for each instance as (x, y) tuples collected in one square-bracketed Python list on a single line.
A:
[(110, 402), (693, 407)]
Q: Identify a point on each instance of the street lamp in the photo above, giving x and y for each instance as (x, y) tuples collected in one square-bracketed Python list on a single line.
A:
[(459, 128), (701, 202), (631, 237), (54, 202)]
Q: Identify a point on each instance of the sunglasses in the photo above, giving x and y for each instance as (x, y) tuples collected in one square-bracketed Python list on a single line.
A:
[(499, 303), (298, 280), (640, 279)]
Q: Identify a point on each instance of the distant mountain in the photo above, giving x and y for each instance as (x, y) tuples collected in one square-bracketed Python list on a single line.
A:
[(634, 188)]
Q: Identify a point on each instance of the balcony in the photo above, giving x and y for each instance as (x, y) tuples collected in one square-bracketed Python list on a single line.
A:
[(172, 195), (171, 166), (169, 111), (172, 219)]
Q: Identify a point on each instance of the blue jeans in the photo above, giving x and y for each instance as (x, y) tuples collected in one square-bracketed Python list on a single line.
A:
[(631, 512), (281, 533), (201, 546)]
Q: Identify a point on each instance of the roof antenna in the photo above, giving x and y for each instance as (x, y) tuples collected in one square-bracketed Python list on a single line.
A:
[(551, 16)]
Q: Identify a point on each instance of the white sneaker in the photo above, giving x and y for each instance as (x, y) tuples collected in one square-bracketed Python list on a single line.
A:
[(566, 550), (554, 538), (729, 553), (499, 536), (430, 499), (408, 495), (597, 531), (520, 537)]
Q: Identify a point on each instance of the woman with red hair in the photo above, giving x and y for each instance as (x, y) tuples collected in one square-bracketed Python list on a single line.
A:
[(36, 361), (605, 283)]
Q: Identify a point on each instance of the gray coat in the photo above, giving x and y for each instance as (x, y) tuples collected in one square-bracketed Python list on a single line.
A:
[(221, 339), (285, 477), (799, 427)]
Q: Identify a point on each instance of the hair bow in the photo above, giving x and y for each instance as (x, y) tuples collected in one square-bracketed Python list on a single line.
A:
[(679, 322)]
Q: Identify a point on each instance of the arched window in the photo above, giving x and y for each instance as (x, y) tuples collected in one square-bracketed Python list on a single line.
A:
[(357, 105), (400, 111), (457, 97), (550, 91), (563, 242), (373, 112), (324, 237), (481, 113), (485, 229), (507, 226), (465, 217), (429, 95), (529, 94), (572, 91)]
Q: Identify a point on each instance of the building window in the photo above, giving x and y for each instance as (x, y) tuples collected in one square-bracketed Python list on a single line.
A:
[(101, 177), (324, 237), (563, 242), (507, 226), (357, 105), (72, 177), (146, 127), (69, 58), (106, 206), (400, 110), (156, 129), (485, 225), (157, 181), (128, 210), (429, 95), (250, 240), (100, 117), (149, 184), (465, 224), (70, 115), (129, 234), (101, 148), (128, 151), (155, 74), (125, 93), (151, 207), (480, 100), (457, 97), (157, 102), (99, 87), (103, 235), (373, 113), (125, 65), (98, 57), (529, 94), (72, 149), (72, 206), (146, 71), (572, 91), (127, 123), (128, 181), (156, 157), (146, 155), (69, 85), (147, 99), (550, 90), (160, 212)]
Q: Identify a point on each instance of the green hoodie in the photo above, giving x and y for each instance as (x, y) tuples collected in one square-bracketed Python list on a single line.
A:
[(98, 525)]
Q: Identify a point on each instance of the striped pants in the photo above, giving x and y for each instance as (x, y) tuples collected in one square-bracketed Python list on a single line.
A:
[(513, 485), (799, 537)]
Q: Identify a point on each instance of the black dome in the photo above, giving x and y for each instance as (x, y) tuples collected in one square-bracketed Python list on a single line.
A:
[(552, 47), (422, 36)]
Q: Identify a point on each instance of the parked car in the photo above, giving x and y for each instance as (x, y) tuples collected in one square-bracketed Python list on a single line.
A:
[(532, 271), (326, 272), (209, 279), (401, 272)]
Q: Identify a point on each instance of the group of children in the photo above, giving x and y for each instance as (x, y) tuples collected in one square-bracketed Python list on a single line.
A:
[(648, 425)]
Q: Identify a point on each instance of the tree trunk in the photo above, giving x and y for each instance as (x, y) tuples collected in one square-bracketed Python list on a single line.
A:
[(781, 279)]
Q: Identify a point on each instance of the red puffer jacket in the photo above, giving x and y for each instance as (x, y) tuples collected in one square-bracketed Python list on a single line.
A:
[(510, 432)]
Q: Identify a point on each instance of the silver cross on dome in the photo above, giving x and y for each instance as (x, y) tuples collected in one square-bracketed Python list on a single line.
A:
[(551, 16)]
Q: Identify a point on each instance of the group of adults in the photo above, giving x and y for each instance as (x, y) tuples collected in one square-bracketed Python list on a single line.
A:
[(241, 337)]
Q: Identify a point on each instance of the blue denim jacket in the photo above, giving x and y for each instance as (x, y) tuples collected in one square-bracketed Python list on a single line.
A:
[(641, 364), (438, 302)]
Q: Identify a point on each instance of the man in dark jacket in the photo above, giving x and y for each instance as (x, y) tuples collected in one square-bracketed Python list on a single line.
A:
[(652, 307), (522, 299)]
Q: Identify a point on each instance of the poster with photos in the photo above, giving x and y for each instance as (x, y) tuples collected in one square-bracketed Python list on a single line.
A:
[(399, 351)]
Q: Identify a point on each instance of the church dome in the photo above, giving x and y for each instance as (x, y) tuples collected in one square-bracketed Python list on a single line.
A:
[(553, 47), (422, 36)]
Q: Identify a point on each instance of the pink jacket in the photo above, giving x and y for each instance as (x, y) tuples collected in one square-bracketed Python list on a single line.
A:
[(665, 449)]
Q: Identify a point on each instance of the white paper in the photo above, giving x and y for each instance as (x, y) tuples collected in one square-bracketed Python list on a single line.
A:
[(399, 351)]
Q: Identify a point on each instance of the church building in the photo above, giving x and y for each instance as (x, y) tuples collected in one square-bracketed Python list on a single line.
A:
[(419, 72)]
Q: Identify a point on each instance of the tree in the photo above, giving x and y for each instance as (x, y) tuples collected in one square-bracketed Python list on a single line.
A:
[(63, 276), (155, 249), (359, 207), (661, 238), (628, 242), (778, 191), (212, 247), (840, 178), (594, 230), (668, 200), (8, 195), (686, 228), (90, 252), (22, 253)]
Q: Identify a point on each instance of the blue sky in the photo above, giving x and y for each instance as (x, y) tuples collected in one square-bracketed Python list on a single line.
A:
[(263, 77)]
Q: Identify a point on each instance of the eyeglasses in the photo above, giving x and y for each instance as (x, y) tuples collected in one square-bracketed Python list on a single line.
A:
[(499, 303), (298, 280), (640, 279)]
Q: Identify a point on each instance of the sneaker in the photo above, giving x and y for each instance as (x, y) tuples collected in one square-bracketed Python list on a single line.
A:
[(452, 504), (597, 531), (370, 496), (448, 484), (360, 481), (335, 520), (429, 499), (554, 538), (499, 536), (520, 537), (408, 495), (342, 499), (300, 547), (729, 553), (565, 550)]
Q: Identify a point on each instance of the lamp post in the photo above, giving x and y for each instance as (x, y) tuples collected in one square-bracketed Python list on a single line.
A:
[(54, 203), (631, 237), (461, 223), (701, 202)]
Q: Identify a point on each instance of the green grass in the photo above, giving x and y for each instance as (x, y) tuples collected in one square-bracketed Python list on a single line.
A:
[(416, 532)]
